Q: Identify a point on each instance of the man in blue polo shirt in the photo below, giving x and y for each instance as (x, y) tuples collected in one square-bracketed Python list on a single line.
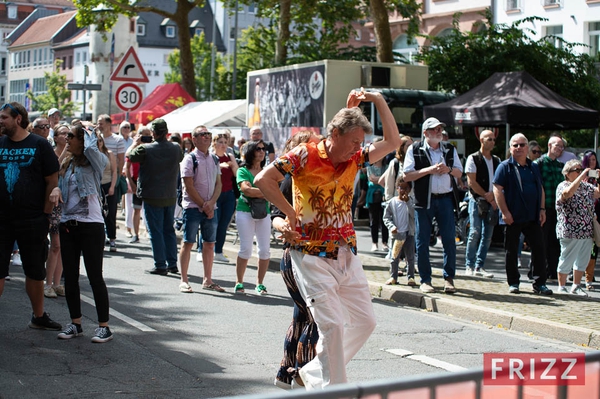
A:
[(520, 196)]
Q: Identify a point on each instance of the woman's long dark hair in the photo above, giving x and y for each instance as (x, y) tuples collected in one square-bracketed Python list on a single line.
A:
[(250, 154), (72, 159), (586, 159)]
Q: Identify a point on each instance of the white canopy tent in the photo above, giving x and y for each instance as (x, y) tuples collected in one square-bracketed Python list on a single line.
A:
[(226, 113)]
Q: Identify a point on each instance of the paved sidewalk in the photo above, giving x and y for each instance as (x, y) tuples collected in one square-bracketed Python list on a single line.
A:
[(563, 317)]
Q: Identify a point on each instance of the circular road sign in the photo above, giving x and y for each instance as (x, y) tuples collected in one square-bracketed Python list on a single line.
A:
[(128, 97)]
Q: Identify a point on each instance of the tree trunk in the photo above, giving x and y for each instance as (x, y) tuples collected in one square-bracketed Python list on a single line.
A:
[(284, 31), (186, 60), (381, 26)]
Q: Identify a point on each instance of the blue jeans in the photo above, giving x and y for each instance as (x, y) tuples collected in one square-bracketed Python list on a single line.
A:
[(443, 211), (480, 238), (224, 212), (159, 223), (193, 219)]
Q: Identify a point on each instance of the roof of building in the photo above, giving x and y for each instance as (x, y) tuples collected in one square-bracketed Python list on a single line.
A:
[(44, 29), (59, 3), (80, 39)]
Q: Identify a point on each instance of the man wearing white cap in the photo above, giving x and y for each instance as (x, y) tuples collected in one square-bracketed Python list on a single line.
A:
[(433, 166)]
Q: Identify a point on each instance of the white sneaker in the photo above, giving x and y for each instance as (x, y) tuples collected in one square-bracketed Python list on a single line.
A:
[(199, 257), (563, 290), (220, 258), (427, 288), (49, 292), (469, 271), (16, 260), (576, 290), (481, 272), (374, 248)]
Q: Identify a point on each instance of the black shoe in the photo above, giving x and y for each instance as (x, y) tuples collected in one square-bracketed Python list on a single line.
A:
[(44, 322), (102, 334), (541, 289), (173, 270), (161, 272)]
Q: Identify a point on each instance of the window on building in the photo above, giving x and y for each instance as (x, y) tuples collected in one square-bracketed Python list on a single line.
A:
[(552, 2), (39, 86), (12, 11), (3, 93), (29, 58), (371, 36), (170, 31), (406, 47), (358, 36), (78, 59), (18, 90), (84, 57), (513, 5), (594, 37), (141, 29), (3, 66), (554, 34), (198, 31), (252, 9), (35, 62), (64, 63)]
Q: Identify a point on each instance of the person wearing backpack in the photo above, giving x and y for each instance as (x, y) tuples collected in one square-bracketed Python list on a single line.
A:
[(201, 180)]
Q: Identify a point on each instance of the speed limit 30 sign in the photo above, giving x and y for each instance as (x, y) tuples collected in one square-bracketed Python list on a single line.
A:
[(128, 97)]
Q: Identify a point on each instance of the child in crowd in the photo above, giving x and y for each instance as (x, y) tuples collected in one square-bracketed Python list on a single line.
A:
[(399, 218)]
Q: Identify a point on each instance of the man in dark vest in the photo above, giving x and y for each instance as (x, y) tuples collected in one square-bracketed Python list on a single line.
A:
[(433, 166), (480, 168)]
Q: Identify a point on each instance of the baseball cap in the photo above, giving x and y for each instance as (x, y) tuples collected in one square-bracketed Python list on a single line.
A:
[(431, 123), (159, 125), (53, 111)]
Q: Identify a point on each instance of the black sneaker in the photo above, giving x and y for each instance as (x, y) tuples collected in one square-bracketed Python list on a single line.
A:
[(102, 335), (541, 289), (173, 270), (72, 330), (160, 272), (44, 322)]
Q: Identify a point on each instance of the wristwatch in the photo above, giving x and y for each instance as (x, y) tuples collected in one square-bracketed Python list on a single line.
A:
[(450, 171)]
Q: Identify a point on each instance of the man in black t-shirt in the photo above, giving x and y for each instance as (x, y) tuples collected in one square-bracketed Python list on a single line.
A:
[(28, 191), (257, 134)]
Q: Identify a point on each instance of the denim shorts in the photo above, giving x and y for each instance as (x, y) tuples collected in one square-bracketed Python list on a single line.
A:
[(194, 218)]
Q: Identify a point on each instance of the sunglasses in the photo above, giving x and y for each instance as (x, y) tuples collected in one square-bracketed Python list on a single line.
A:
[(260, 149), (43, 126), (203, 134), (490, 139), (519, 145), (536, 152), (7, 105), (578, 170)]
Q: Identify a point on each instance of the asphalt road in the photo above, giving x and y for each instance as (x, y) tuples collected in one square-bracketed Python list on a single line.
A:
[(206, 344)]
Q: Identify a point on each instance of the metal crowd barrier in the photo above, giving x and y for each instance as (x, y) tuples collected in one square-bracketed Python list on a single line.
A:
[(456, 385)]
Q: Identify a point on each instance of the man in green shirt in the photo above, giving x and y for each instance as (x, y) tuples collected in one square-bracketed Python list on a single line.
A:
[(551, 170)]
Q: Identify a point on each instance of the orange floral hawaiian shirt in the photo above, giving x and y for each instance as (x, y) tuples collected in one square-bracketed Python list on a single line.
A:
[(322, 197)]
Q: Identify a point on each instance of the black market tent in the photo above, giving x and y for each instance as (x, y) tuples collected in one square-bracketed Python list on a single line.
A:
[(515, 99)]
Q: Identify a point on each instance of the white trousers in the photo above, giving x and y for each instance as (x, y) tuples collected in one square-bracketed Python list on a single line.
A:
[(129, 211), (247, 228), (337, 294)]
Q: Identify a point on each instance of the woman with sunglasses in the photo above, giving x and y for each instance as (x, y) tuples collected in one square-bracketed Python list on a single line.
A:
[(82, 229), (575, 208), (247, 226), (591, 161), (535, 151)]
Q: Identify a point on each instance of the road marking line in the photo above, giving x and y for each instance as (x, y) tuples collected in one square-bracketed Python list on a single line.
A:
[(121, 316), (426, 360)]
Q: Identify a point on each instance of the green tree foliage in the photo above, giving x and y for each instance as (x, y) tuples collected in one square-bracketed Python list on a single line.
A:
[(462, 60), (105, 20), (56, 96), (201, 56)]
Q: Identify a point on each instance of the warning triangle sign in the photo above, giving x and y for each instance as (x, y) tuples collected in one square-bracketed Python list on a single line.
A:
[(129, 69)]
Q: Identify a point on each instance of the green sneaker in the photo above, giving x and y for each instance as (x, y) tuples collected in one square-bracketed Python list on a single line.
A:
[(239, 288), (261, 289)]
